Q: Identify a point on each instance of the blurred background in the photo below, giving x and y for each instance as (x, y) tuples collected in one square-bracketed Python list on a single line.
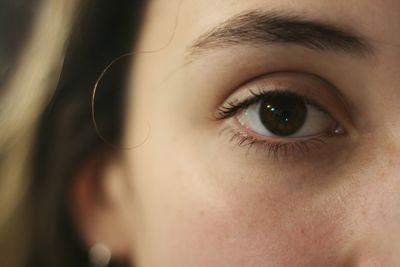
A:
[(15, 23), (52, 52)]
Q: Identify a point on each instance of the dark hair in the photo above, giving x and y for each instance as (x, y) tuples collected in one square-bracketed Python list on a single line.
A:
[(66, 134)]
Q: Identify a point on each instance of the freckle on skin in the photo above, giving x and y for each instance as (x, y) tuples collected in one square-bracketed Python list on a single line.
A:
[(364, 212), (302, 230)]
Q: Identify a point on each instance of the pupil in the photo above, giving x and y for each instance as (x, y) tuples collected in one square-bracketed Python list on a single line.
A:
[(283, 114)]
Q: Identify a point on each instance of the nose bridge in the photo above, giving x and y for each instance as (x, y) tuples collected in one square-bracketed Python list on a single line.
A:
[(375, 226), (373, 210), (370, 254)]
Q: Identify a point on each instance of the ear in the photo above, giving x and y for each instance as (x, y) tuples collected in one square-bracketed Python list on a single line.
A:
[(101, 206)]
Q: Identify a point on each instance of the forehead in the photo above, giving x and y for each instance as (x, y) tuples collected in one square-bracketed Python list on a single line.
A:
[(369, 10)]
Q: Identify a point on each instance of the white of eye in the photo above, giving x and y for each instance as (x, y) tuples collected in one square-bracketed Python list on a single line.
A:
[(317, 122)]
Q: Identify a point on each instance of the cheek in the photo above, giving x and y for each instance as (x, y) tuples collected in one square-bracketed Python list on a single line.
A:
[(200, 210)]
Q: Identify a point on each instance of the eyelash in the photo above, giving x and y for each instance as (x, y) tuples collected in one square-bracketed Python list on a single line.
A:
[(273, 148), (231, 108)]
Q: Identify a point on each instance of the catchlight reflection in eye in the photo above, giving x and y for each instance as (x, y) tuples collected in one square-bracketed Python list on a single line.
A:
[(285, 114)]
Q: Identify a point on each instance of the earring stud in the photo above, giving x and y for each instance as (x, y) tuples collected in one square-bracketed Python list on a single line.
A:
[(100, 255)]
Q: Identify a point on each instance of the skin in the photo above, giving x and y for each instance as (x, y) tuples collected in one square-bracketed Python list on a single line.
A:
[(195, 199)]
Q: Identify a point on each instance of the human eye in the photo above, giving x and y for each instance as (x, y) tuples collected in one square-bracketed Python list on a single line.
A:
[(286, 115)]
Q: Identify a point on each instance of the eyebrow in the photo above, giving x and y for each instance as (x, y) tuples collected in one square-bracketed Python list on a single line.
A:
[(258, 27)]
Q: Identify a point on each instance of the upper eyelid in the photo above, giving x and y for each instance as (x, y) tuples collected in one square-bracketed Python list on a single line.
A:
[(290, 72)]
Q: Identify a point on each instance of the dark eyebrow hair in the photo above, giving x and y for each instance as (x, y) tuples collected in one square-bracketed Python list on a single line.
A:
[(259, 27)]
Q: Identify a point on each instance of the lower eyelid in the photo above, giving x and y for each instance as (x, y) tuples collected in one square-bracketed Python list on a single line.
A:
[(293, 149), (247, 132), (274, 146)]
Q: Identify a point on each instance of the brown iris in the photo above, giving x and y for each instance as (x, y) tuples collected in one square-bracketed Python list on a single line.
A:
[(283, 114)]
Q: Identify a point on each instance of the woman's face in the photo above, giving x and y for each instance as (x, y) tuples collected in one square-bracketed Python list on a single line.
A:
[(266, 133)]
